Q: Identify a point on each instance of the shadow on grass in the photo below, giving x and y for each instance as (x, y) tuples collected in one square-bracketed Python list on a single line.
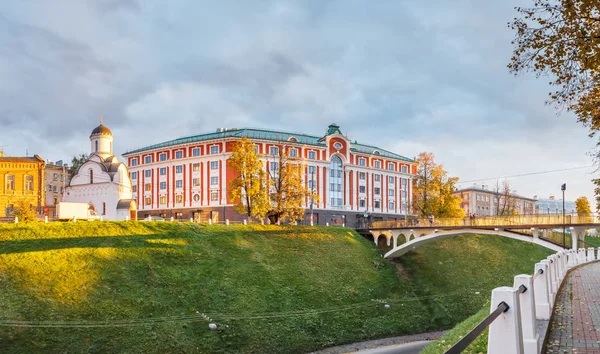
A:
[(130, 241)]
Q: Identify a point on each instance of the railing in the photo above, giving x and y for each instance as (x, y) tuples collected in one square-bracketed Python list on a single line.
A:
[(515, 311), (514, 220)]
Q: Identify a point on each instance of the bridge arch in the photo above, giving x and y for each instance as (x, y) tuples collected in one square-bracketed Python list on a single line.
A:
[(399, 250)]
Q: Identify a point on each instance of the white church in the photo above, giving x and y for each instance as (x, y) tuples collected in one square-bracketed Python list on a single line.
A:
[(102, 181)]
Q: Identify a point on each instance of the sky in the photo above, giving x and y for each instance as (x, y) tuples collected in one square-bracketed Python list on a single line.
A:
[(408, 76)]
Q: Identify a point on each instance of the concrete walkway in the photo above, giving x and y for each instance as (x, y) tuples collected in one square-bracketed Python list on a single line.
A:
[(575, 326), (404, 344)]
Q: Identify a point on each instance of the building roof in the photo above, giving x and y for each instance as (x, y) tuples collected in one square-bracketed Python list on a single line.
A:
[(479, 189), (35, 158), (272, 135), (101, 130)]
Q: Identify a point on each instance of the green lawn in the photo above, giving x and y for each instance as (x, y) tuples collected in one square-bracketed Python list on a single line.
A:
[(140, 287)]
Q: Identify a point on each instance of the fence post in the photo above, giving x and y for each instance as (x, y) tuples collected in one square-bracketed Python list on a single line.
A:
[(590, 254), (505, 335), (210, 221), (559, 267), (540, 284), (552, 275), (171, 219), (227, 222), (572, 261), (548, 274), (245, 222), (46, 218), (528, 318), (16, 219), (581, 255)]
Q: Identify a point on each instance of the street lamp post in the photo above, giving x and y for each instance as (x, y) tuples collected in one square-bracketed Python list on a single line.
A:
[(563, 188)]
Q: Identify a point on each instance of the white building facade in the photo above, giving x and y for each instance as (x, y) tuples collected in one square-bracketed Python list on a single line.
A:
[(102, 181)]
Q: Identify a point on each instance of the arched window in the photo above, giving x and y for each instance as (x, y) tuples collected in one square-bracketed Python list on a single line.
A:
[(96, 142), (336, 181), (91, 176), (10, 182), (28, 183)]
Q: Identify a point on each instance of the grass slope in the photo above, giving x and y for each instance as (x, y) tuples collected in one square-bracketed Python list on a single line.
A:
[(272, 288)]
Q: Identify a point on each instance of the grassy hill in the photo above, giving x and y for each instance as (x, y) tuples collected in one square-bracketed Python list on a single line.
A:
[(153, 287)]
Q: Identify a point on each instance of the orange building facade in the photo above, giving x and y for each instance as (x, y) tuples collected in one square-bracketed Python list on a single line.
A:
[(189, 177)]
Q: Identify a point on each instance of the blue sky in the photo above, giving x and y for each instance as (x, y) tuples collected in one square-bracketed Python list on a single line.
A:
[(409, 76)]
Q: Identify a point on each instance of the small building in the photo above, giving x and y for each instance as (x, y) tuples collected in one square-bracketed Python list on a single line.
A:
[(481, 201), (102, 181), (554, 206), (23, 179), (56, 182)]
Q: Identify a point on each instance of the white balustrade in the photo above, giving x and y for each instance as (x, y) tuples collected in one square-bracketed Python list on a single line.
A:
[(505, 334)]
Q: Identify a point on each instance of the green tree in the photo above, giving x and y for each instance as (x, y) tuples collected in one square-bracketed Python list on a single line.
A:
[(434, 190), (76, 162), (582, 204), (288, 191), (24, 211), (249, 190)]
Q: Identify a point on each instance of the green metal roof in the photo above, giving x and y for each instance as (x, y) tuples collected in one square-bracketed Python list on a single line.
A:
[(263, 134)]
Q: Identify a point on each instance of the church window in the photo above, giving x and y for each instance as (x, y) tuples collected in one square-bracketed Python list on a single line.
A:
[(96, 145), (179, 183), (179, 199), (103, 208), (91, 176), (163, 157), (10, 182), (179, 169), (179, 154), (28, 183)]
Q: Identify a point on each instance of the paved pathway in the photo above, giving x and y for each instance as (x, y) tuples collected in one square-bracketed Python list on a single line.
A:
[(575, 327)]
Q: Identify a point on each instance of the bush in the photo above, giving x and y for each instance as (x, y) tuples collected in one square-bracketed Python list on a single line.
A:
[(24, 211)]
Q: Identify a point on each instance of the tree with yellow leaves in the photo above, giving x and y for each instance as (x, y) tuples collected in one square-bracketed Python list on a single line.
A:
[(288, 192), (434, 188), (249, 190), (582, 204)]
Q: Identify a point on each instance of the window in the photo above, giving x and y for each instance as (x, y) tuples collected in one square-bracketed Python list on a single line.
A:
[(55, 189), (163, 185), (311, 184), (148, 173), (214, 196), (214, 165), (196, 197), (293, 152), (335, 173), (179, 199), (274, 166), (487, 198), (62, 178), (163, 171), (362, 161), (91, 176), (196, 182), (96, 145), (377, 164), (336, 182), (377, 190), (214, 149), (148, 159), (179, 169), (391, 166), (28, 183), (148, 201), (163, 199), (404, 181), (362, 189), (312, 155), (162, 157), (179, 154), (195, 152), (178, 215), (390, 192), (391, 206), (196, 167), (179, 183), (133, 175), (134, 189), (214, 181), (49, 188), (391, 179), (377, 204), (312, 169), (274, 151), (377, 178), (404, 169), (134, 162), (404, 194), (362, 203), (337, 145), (362, 176), (148, 187), (55, 176), (335, 187)]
